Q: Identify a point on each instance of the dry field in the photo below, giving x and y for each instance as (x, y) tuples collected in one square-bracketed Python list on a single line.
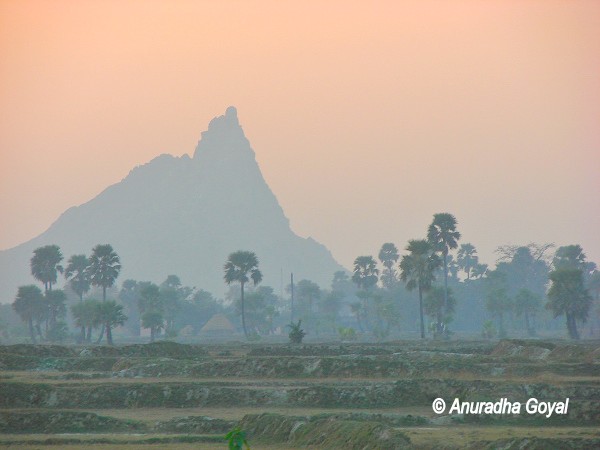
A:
[(171, 396)]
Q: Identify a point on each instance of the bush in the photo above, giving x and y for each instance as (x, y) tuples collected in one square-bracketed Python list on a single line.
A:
[(347, 334), (296, 333)]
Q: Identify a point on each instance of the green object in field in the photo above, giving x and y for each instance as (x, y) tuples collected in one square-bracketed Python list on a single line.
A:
[(296, 333), (236, 439)]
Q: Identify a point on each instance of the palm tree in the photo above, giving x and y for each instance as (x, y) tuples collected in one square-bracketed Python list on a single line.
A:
[(467, 258), (45, 265), (29, 305), (365, 276), (443, 237), (388, 255), (104, 267), (151, 308), (77, 274), (365, 273), (237, 268), (86, 317), (416, 270), (110, 314), (153, 319), (567, 295)]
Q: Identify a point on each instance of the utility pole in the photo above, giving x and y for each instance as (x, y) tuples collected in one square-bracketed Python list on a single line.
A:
[(292, 291)]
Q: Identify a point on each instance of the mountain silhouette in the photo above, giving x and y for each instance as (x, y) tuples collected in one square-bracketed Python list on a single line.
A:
[(184, 216)]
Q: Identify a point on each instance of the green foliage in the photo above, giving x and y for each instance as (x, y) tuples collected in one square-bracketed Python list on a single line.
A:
[(365, 273), (171, 294), (45, 264), (442, 233), (236, 439), (239, 265), (489, 330), (104, 267), (527, 304), (260, 309), (347, 333), (468, 261), (388, 255), (569, 257), (296, 332), (307, 294), (77, 274), (29, 305), (153, 319), (433, 306), (55, 303), (417, 270), (568, 296), (110, 314), (58, 332), (86, 317)]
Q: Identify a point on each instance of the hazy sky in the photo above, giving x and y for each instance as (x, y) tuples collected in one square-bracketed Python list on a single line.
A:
[(366, 117)]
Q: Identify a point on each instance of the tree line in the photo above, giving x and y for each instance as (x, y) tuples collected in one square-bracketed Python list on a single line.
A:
[(376, 299)]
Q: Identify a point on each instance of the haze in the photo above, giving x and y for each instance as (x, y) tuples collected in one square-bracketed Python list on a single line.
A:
[(365, 119)]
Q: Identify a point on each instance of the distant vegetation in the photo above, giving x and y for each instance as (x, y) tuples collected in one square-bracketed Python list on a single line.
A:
[(437, 287)]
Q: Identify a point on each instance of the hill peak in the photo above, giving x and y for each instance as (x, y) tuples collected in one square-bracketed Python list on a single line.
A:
[(224, 133)]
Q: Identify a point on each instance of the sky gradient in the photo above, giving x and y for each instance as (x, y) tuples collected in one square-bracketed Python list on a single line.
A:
[(366, 119)]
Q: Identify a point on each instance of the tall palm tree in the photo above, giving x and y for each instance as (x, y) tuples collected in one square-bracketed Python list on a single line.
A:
[(365, 273), (77, 274), (239, 265), (443, 237), (416, 270), (388, 255), (104, 267), (29, 305), (45, 265)]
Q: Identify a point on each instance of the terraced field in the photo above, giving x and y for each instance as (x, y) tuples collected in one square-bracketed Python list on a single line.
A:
[(168, 395)]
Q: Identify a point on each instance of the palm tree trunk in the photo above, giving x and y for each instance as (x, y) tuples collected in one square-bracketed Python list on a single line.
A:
[(292, 292), (528, 325), (109, 340), (445, 283), (572, 326), (421, 312), (151, 334), (31, 331), (243, 312)]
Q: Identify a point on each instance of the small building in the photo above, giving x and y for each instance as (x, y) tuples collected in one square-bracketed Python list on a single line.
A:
[(218, 326)]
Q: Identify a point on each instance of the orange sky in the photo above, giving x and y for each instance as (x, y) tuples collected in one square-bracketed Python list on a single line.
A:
[(366, 119)]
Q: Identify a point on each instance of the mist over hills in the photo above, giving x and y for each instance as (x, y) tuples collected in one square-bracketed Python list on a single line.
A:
[(184, 216)]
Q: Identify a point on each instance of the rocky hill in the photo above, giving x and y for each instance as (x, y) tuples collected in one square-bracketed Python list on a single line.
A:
[(184, 216)]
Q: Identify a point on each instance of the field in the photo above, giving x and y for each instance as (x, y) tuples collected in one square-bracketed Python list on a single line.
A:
[(363, 396)]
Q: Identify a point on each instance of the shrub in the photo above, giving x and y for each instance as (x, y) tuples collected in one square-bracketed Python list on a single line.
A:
[(296, 333)]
